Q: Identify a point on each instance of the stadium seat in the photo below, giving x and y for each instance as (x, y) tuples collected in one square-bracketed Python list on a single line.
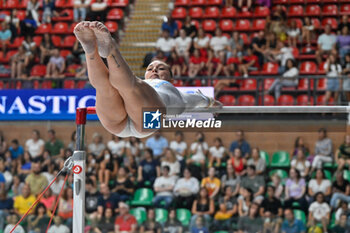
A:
[(312, 1), (246, 100), (331, 21), (280, 2), (330, 1), (46, 84), (321, 69), (264, 155), (303, 84), (268, 100), (214, 2), (43, 29), (12, 4), (321, 84), (345, 9), (316, 22), (209, 25), (17, 42), (226, 25), (142, 197), (196, 12), (198, 2), (56, 40), (267, 83), (280, 159), (308, 67), (23, 4), (313, 10), (245, 38), (244, 13), (140, 214), (8, 56), (270, 69), (212, 12), (296, 1), (115, 14), (37, 40), (21, 15), (119, 3), (347, 175), (68, 42), (38, 71), (65, 52), (295, 11), (112, 26), (161, 215), (177, 83), (68, 84), (304, 100), (249, 85), (227, 100), (330, 10), (60, 28), (258, 24), (184, 216), (285, 100), (228, 12), (321, 99), (261, 11), (182, 3), (298, 21), (81, 84), (179, 13), (281, 173), (300, 215), (64, 3), (242, 25), (65, 15), (195, 23)]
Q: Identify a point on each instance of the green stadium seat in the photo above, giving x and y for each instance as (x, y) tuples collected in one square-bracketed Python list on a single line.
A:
[(140, 214), (347, 175), (184, 216), (280, 159), (299, 214), (282, 173), (265, 155), (161, 215), (221, 231), (142, 197)]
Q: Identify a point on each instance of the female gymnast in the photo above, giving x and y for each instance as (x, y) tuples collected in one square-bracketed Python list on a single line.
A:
[(120, 95)]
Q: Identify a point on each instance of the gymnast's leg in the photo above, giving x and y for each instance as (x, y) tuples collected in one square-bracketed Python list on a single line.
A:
[(109, 104), (135, 93)]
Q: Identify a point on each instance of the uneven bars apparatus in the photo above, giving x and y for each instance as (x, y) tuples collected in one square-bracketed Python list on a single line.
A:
[(79, 155)]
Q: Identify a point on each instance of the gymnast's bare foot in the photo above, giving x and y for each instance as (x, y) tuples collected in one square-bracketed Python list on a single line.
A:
[(104, 39), (86, 37)]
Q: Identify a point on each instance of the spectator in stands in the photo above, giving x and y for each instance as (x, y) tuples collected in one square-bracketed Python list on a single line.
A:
[(59, 227), (125, 222), (134, 147), (346, 81), (231, 67), (196, 64), (204, 207), (179, 146), (17, 63), (165, 43), (183, 44), (229, 179), (255, 183), (46, 48), (343, 23), (171, 26), (14, 22), (201, 42), (17, 186), (107, 199), (36, 180), (80, 8), (258, 45), (326, 42), (35, 145), (212, 184), (65, 207), (6, 207), (170, 160), (189, 27), (3, 144), (33, 10), (343, 44), (108, 166), (53, 145), (199, 226), (12, 220), (5, 37), (150, 225), (215, 64), (250, 62), (6, 176), (163, 187), (319, 212), (16, 149), (236, 45), (323, 149), (291, 224), (283, 53), (38, 221), (219, 42), (199, 150), (257, 161), (342, 155), (299, 144), (148, 169), (48, 11), (295, 190), (177, 64), (106, 223), (217, 153), (271, 45), (293, 33), (222, 218), (252, 222), (271, 210), (172, 225), (23, 202), (341, 190), (48, 200), (186, 189), (301, 164), (91, 199), (342, 209), (288, 79), (56, 66), (341, 225), (240, 143), (241, 2), (117, 147), (320, 184), (158, 144), (98, 11), (24, 165), (96, 147), (238, 162), (229, 200), (122, 185), (308, 31)]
